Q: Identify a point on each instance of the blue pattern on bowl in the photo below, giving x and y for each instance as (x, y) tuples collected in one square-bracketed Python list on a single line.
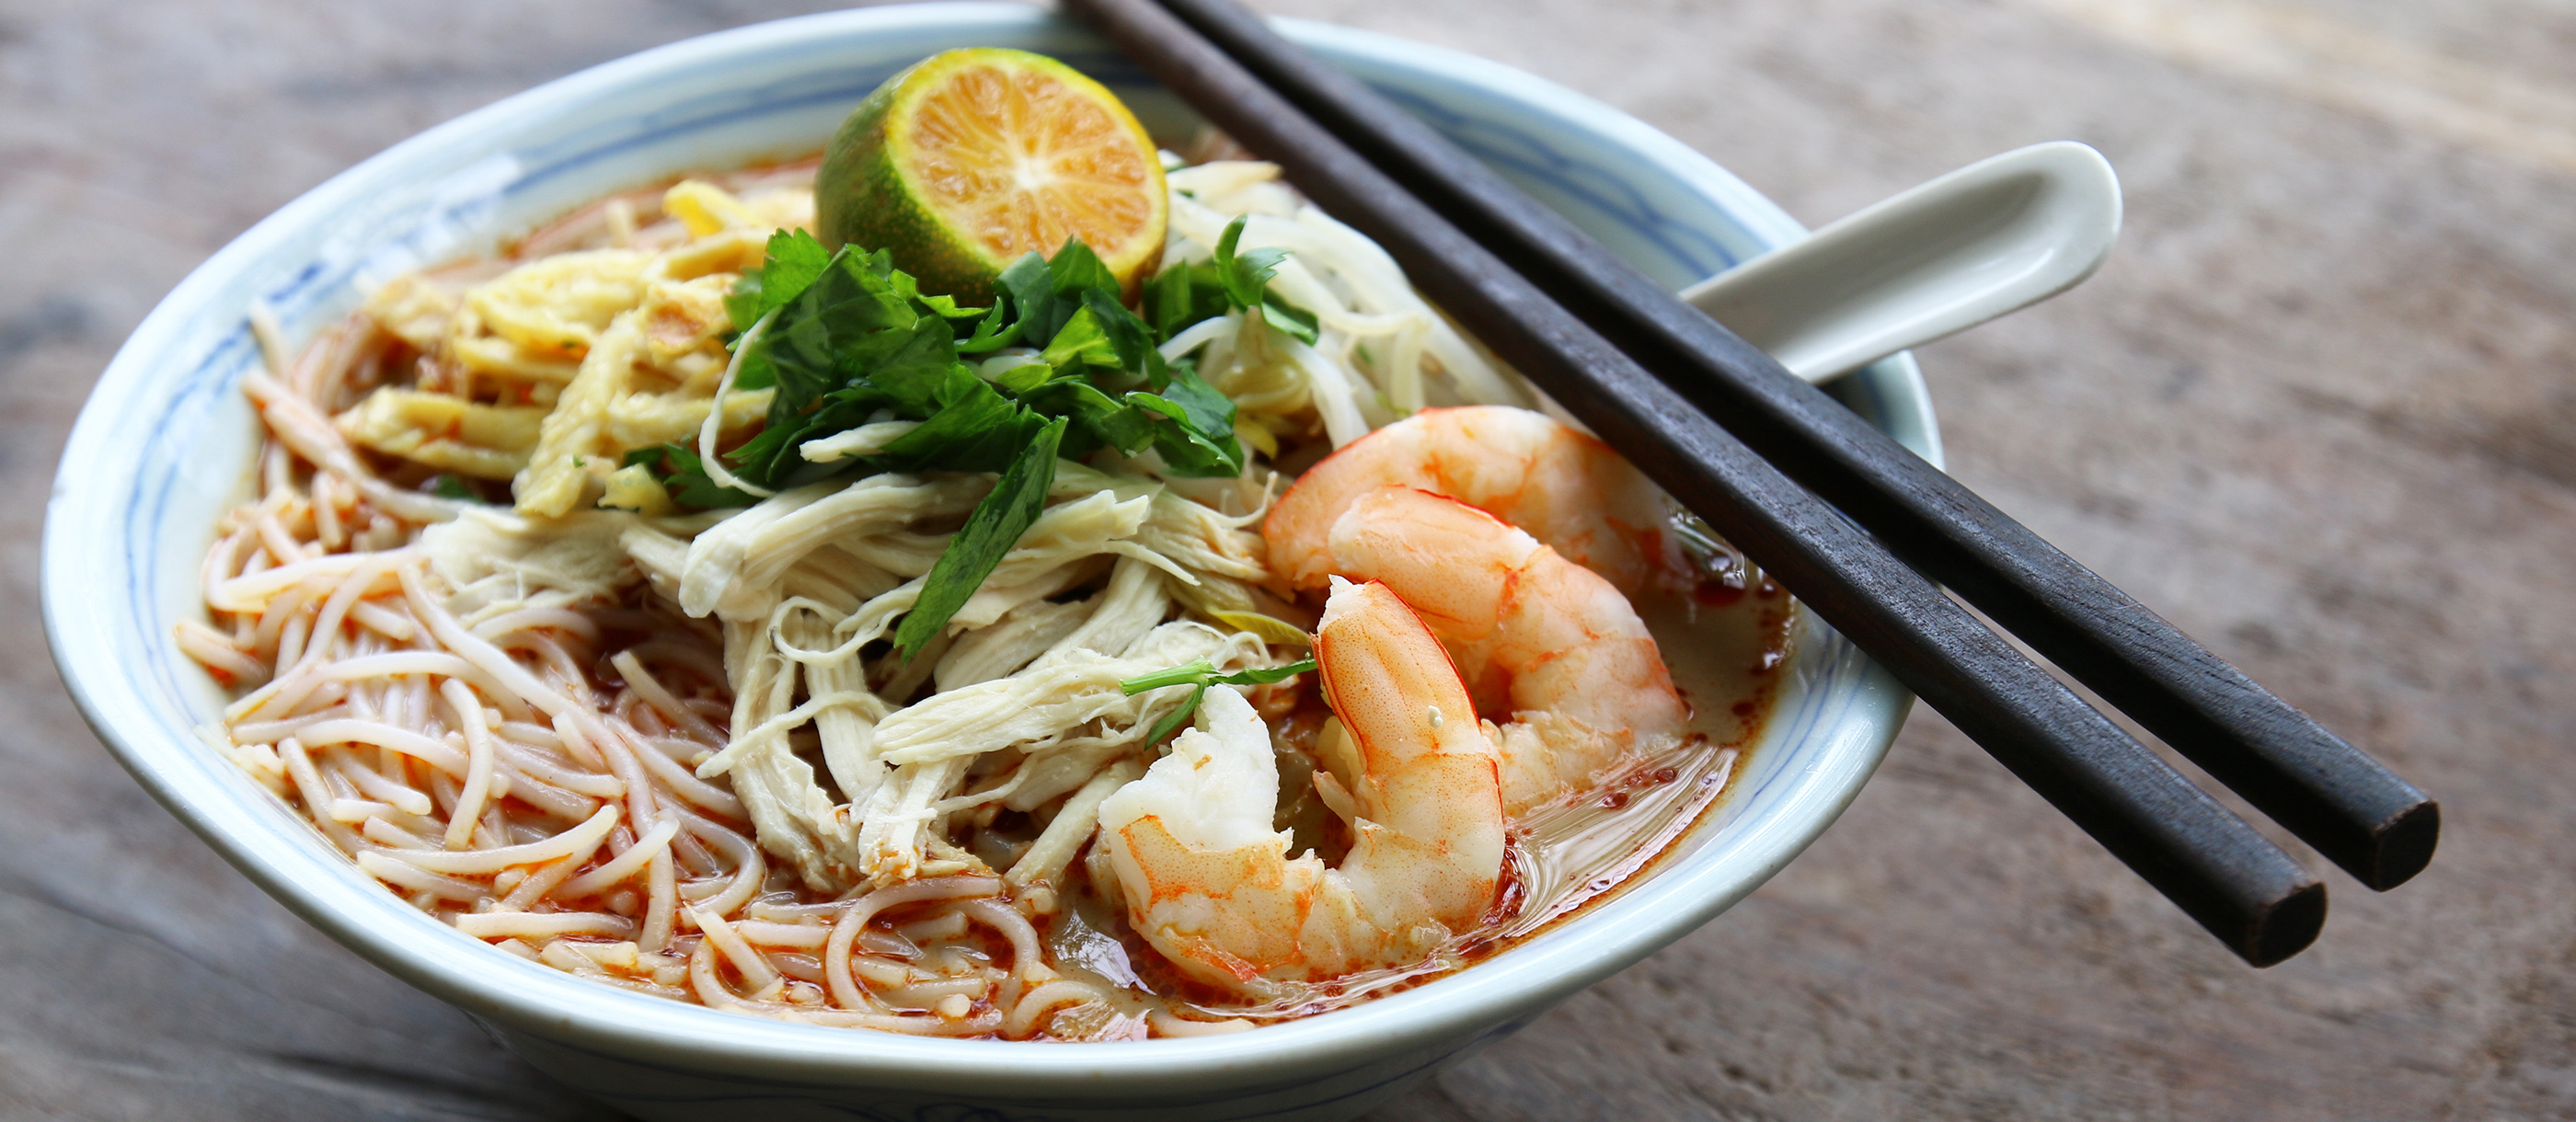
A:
[(135, 501)]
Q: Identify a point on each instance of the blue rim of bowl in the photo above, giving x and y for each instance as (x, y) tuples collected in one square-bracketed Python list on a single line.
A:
[(98, 509)]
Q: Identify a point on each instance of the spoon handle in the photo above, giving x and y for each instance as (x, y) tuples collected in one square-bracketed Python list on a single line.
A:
[(1983, 241)]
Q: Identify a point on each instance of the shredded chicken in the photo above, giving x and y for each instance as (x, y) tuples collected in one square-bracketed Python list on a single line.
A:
[(849, 759)]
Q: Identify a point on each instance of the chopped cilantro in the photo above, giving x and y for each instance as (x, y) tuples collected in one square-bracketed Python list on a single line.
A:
[(1184, 295), (843, 337), (793, 264), (991, 530), (1245, 278), (677, 468)]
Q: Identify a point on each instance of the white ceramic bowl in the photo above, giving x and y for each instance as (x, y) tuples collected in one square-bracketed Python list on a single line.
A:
[(165, 443)]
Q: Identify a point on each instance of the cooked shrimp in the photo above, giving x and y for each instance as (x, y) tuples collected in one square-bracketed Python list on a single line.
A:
[(1565, 488), (1547, 647), (1211, 885)]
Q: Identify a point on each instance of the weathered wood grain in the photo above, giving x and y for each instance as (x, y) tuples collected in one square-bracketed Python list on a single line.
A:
[(2317, 410)]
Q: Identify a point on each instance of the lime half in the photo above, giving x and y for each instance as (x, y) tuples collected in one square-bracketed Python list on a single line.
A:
[(974, 157)]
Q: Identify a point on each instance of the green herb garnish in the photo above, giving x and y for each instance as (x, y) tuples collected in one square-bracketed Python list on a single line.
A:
[(792, 266), (848, 337), (1188, 294), (1246, 280), (1184, 295), (843, 338), (1049, 290), (994, 527), (1202, 674), (677, 468)]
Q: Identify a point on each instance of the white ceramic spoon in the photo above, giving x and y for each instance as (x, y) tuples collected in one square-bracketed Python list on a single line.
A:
[(1993, 237)]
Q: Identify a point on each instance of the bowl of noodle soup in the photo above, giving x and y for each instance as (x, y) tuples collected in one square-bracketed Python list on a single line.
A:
[(169, 443)]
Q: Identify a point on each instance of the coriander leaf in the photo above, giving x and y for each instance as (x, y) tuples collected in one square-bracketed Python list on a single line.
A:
[(1197, 438), (1080, 342), (1077, 269), (880, 264), (853, 340), (677, 468), (975, 429), (751, 354), (1246, 279), (773, 454), (1029, 286), (946, 307), (1110, 423), (447, 486), (795, 259), (1244, 275), (1049, 291), (991, 530), (1167, 300), (1020, 381), (942, 305), (857, 337), (1297, 322), (1203, 408), (1099, 420), (917, 370), (1184, 295), (903, 368), (1131, 340), (1190, 457), (843, 325), (991, 332)]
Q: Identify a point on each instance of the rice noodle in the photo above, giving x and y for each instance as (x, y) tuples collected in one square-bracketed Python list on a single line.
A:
[(626, 865), (493, 925), (672, 752)]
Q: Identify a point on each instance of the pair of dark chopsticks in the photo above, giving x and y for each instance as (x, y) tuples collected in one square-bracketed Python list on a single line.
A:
[(1759, 454)]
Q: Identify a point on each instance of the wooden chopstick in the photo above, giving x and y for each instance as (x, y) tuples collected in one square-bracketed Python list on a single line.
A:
[(2241, 887), (2356, 812)]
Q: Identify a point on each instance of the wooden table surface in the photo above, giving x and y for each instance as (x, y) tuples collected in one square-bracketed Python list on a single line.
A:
[(2319, 409)]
